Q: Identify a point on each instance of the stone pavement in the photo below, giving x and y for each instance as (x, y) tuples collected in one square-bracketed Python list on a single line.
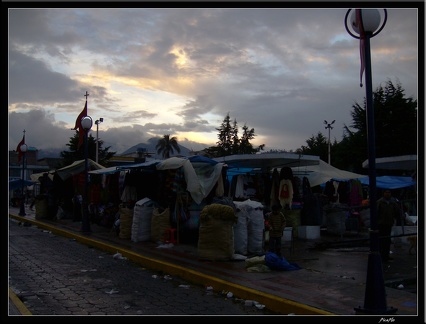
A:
[(57, 276), (332, 280)]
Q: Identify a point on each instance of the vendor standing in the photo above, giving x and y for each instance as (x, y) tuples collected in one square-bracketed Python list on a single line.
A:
[(388, 212)]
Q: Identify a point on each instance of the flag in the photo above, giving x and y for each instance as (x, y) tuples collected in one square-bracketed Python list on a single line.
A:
[(360, 27), (79, 127), (18, 148)]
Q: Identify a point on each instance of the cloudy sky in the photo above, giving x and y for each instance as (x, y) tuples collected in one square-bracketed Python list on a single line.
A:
[(180, 71)]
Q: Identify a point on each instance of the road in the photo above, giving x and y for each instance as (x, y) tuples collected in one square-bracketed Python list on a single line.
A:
[(55, 275)]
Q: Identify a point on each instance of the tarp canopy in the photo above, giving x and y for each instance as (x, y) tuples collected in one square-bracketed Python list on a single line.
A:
[(390, 182), (76, 168), (268, 161), (201, 159), (144, 165), (36, 176), (403, 162), (109, 170), (16, 183), (323, 172), (201, 175), (118, 168)]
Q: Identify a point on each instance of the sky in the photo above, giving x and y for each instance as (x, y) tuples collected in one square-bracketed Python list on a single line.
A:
[(149, 72)]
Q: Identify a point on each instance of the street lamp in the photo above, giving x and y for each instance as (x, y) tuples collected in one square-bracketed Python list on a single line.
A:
[(97, 122), (366, 23), (329, 128), (86, 123), (22, 204)]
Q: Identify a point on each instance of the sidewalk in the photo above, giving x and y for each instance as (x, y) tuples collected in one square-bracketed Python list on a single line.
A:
[(332, 280)]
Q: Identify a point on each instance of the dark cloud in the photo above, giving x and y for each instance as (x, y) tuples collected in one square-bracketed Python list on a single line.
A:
[(279, 71)]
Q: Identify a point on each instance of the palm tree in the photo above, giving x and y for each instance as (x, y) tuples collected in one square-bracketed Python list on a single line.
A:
[(167, 145)]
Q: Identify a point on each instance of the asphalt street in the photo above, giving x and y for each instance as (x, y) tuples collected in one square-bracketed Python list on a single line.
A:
[(55, 275)]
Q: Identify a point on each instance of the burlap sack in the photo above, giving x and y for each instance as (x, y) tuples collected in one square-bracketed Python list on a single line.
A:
[(160, 222), (216, 234), (126, 220)]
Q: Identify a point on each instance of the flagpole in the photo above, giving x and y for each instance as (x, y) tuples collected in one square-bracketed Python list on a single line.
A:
[(22, 150), (86, 125)]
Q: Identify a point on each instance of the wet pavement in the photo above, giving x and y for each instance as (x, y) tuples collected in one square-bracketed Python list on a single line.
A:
[(56, 275), (331, 281)]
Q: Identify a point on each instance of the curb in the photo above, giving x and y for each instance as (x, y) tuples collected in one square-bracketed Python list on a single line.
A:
[(274, 303), (22, 309)]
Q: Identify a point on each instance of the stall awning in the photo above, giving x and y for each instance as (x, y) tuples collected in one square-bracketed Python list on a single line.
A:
[(403, 162), (390, 182), (76, 168), (268, 161)]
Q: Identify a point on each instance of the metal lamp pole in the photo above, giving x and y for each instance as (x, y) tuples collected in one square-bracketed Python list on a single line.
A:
[(22, 204), (366, 23), (86, 123), (97, 122), (329, 128)]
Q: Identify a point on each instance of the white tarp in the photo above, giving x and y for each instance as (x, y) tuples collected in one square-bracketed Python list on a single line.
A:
[(268, 161), (323, 172), (35, 176), (76, 168), (198, 184), (403, 162)]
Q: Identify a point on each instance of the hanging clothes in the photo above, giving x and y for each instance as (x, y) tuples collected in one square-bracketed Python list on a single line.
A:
[(239, 187), (286, 173), (355, 196), (286, 193), (275, 186), (297, 183)]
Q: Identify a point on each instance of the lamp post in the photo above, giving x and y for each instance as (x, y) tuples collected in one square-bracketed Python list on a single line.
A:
[(329, 128), (366, 23), (97, 122), (86, 123), (22, 204)]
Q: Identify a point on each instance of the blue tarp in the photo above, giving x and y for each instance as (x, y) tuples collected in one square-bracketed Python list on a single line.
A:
[(390, 182), (201, 159), (16, 183)]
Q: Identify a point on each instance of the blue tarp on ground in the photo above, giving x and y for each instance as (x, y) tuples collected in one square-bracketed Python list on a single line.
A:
[(390, 182), (16, 183)]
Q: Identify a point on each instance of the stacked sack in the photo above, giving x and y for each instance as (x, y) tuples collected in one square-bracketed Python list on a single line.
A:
[(216, 237)]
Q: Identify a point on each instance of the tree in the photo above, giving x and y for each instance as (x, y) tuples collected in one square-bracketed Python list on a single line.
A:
[(317, 145), (395, 125), (395, 121), (230, 143), (227, 135), (75, 153), (167, 145), (245, 146)]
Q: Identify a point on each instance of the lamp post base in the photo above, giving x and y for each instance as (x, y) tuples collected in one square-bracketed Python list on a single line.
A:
[(375, 291), (366, 311), (22, 209)]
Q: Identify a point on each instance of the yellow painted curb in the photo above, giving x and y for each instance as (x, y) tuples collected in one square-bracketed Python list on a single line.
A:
[(23, 310)]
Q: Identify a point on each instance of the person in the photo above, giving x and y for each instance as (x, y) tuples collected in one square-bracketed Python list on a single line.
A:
[(277, 222), (388, 212)]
